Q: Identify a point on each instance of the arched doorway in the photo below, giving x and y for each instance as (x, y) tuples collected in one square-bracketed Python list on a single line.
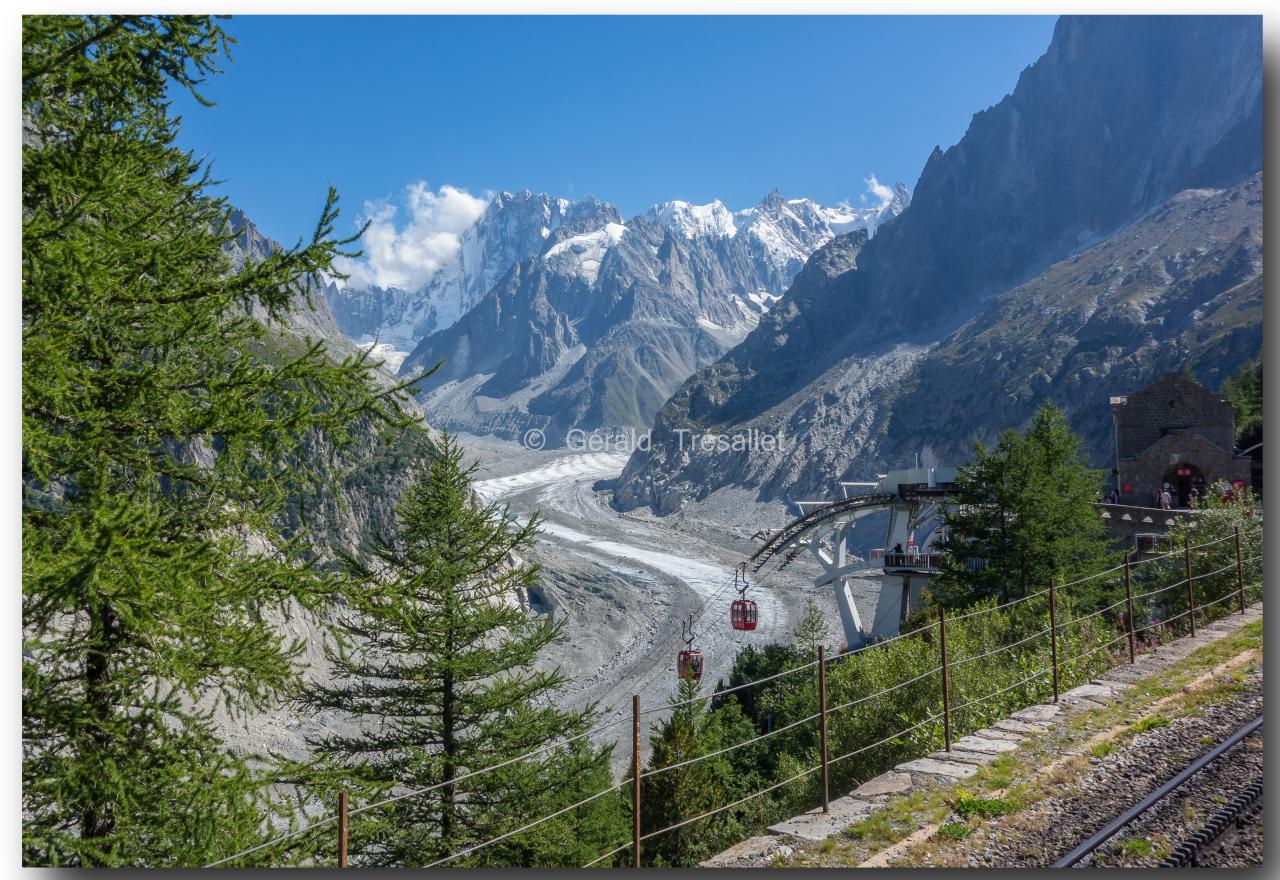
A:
[(1182, 479)]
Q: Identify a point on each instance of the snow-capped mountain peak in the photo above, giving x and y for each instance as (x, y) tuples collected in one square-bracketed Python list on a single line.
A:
[(513, 227), (775, 236), (784, 232), (712, 220)]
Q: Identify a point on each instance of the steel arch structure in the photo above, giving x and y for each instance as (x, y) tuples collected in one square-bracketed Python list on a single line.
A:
[(912, 497)]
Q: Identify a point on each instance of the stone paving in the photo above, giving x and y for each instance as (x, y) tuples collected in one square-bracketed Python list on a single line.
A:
[(816, 825), (971, 751)]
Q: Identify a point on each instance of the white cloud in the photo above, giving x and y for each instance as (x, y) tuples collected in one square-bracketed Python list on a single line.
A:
[(879, 190), (409, 255)]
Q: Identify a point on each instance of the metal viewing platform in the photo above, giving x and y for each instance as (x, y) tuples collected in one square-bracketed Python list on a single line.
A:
[(912, 498)]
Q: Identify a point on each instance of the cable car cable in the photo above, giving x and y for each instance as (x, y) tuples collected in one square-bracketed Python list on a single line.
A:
[(658, 654)]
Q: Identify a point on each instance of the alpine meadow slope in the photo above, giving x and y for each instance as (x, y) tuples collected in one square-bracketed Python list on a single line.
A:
[(1009, 278)]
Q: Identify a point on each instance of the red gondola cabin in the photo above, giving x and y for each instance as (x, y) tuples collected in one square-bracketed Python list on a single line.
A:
[(689, 664), (743, 614)]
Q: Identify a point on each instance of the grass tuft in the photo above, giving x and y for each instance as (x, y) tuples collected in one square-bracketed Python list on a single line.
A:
[(1136, 846), (986, 808), (1152, 723), (954, 831)]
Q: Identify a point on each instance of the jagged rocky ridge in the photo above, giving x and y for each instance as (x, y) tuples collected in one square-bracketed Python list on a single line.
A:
[(598, 328), (309, 315), (1007, 280), (512, 228), (778, 235)]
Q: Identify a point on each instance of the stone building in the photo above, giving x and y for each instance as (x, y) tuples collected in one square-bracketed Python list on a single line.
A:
[(1174, 431)]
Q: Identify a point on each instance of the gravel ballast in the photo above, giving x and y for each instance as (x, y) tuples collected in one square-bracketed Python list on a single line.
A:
[(1050, 828)]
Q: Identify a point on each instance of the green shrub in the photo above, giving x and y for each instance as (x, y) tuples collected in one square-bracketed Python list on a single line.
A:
[(1136, 846)]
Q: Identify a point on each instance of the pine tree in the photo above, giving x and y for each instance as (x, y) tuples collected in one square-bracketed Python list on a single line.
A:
[(161, 425), (1244, 391), (811, 630), (684, 793), (1024, 513), (437, 664)]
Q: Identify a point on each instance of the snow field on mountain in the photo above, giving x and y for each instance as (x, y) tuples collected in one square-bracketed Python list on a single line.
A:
[(777, 233), (581, 254)]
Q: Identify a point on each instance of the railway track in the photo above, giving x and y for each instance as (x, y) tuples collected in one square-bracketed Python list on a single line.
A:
[(1239, 818), (1226, 833)]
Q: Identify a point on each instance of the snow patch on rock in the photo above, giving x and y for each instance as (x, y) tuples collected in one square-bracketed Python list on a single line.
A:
[(581, 254)]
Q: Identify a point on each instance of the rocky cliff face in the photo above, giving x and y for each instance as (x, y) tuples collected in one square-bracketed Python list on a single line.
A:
[(364, 482), (308, 317), (512, 228), (600, 327), (1180, 287), (1107, 128)]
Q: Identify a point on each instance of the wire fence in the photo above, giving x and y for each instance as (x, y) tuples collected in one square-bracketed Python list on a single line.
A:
[(885, 691), (1004, 690), (964, 661), (527, 827), (1156, 620), (1122, 638), (886, 740), (731, 690), (610, 854), (740, 801), (1009, 604)]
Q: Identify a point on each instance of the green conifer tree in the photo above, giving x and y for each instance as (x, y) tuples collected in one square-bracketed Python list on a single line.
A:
[(438, 665), (1244, 391), (811, 630), (160, 426), (674, 796), (1024, 513)]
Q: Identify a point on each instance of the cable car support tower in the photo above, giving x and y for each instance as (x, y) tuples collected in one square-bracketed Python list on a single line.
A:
[(912, 497)]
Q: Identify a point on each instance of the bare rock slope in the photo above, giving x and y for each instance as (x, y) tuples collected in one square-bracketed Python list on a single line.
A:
[(1098, 226)]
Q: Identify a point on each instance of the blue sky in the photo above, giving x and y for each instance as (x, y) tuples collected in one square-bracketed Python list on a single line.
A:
[(634, 110)]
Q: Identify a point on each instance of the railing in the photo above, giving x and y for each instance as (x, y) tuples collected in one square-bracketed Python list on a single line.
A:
[(914, 561), (931, 561), (1180, 589), (1141, 513)]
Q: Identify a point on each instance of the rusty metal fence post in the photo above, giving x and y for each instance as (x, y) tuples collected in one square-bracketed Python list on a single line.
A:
[(946, 684), (635, 789), (342, 829), (1239, 571), (822, 724), (1128, 597), (1191, 599), (1053, 637)]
